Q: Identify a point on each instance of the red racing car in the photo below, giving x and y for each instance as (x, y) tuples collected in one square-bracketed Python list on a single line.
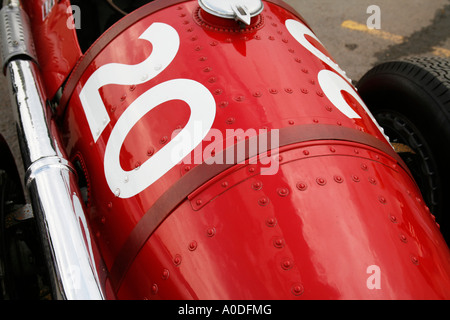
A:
[(212, 149)]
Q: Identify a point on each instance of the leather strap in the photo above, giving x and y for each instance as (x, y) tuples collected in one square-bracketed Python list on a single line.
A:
[(201, 174)]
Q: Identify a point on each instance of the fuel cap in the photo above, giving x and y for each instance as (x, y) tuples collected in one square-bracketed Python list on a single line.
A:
[(241, 10)]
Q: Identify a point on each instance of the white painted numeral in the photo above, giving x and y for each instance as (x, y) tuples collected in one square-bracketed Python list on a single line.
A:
[(165, 42), (126, 184)]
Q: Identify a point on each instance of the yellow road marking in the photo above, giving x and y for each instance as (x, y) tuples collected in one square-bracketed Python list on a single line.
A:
[(352, 25)]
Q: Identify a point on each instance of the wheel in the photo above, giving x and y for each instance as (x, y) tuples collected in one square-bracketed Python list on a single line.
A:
[(410, 99)]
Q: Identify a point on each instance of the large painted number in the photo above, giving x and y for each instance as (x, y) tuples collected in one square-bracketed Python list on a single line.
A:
[(331, 83), (165, 42)]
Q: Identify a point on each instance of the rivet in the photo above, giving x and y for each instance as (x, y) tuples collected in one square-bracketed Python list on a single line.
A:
[(212, 80), (258, 37), (289, 90), (283, 192), (251, 169), (382, 199), (207, 69), (321, 181), (271, 38), (287, 264), (298, 60), (338, 179), (273, 91), (393, 218), (355, 178), (110, 205), (263, 201), (187, 168), (297, 289), (192, 245), (239, 98), (305, 91), (154, 289), (356, 151), (415, 260), (198, 48), (285, 40), (164, 139), (194, 38), (278, 243), (271, 222), (214, 43), (364, 166), (117, 192), (224, 184), (150, 152), (257, 185), (302, 186), (177, 260), (218, 91), (304, 70), (126, 179), (316, 120), (339, 123), (291, 50), (320, 94), (257, 94), (332, 149), (403, 238), (133, 87), (199, 202), (211, 232), (306, 152), (123, 97), (91, 144), (190, 29), (223, 104), (165, 274), (291, 122), (328, 108), (372, 181), (230, 120)]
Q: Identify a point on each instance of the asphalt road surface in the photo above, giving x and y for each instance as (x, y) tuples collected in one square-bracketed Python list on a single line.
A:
[(406, 28)]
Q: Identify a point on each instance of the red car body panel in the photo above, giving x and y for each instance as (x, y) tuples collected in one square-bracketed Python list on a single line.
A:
[(340, 209), (56, 43)]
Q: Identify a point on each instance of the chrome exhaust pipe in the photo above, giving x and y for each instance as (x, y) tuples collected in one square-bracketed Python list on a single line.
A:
[(50, 178)]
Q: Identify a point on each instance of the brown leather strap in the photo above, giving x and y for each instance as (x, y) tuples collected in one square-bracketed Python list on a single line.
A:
[(201, 174)]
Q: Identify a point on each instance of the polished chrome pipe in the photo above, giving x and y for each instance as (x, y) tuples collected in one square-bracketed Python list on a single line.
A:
[(51, 181)]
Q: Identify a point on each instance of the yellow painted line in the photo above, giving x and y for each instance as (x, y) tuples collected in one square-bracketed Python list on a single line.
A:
[(441, 52), (352, 25)]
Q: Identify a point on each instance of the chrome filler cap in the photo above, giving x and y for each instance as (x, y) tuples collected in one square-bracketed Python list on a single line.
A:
[(241, 10)]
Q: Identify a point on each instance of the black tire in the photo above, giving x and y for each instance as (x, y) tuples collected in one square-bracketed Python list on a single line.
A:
[(411, 100)]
